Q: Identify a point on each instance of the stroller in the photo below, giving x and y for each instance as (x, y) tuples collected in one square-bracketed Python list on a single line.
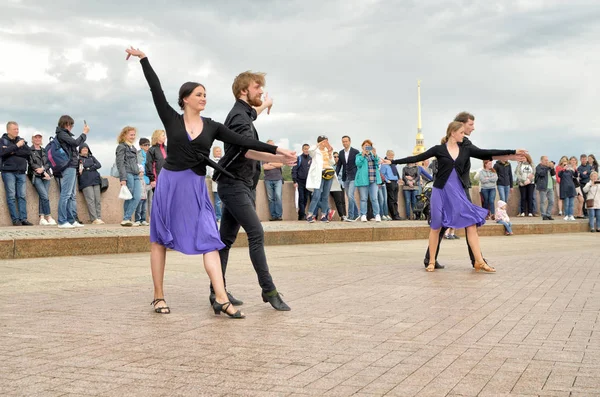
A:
[(422, 210)]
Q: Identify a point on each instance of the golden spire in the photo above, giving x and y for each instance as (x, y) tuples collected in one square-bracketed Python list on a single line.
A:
[(420, 146)]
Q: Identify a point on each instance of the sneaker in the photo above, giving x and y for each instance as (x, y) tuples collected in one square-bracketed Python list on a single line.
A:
[(324, 219), (144, 223), (330, 214), (136, 224), (571, 218), (100, 221), (560, 213), (363, 218), (66, 225), (126, 223), (96, 222), (455, 237), (530, 214), (358, 218), (43, 222), (566, 218), (51, 222), (522, 214), (348, 220), (377, 218), (448, 237), (309, 219), (77, 224)]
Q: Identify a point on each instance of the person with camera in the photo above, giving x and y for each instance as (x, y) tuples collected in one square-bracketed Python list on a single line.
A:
[(592, 189), (320, 177), (545, 185), (567, 190), (367, 179)]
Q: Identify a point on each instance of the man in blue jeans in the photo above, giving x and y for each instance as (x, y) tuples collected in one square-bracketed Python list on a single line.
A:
[(273, 183), (545, 185), (15, 153), (347, 164)]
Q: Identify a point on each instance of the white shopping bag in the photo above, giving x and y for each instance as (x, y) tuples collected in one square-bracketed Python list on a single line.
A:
[(124, 193)]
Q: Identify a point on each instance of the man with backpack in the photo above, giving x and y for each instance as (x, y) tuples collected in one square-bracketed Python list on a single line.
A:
[(299, 175), (15, 154), (67, 206)]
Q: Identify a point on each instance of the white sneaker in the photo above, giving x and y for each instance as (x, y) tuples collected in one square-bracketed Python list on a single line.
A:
[(560, 213), (363, 218), (66, 226), (77, 224), (377, 218), (51, 222), (530, 214), (100, 221), (43, 222), (566, 218), (126, 223), (522, 214), (571, 218), (135, 224), (144, 223)]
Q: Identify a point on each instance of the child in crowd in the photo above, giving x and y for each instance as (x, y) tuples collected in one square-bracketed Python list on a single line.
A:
[(503, 218)]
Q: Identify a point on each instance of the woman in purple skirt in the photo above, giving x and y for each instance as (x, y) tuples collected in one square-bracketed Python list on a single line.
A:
[(450, 206), (182, 216)]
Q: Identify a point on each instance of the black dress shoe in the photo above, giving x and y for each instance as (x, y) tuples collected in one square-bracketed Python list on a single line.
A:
[(399, 218), (17, 223), (276, 302), (549, 218), (438, 265), (545, 218), (234, 301), (26, 223)]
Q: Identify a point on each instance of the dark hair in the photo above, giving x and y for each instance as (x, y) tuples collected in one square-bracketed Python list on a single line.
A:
[(65, 121), (582, 156), (306, 144), (321, 138), (464, 117), (334, 153), (144, 141), (186, 90), (346, 136)]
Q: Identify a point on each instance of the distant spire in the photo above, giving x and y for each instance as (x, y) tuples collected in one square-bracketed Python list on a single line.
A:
[(420, 146)]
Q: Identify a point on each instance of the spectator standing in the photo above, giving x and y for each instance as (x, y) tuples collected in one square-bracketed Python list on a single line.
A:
[(347, 166), (217, 154), (367, 179), (525, 179), (592, 189), (505, 179), (129, 172), (141, 211), (155, 160), (39, 173), (67, 205), (89, 182), (319, 179), (562, 163), (578, 201), (391, 175), (544, 184), (488, 177), (273, 183), (15, 155), (567, 190), (593, 162), (584, 171), (299, 175), (411, 178), (337, 191)]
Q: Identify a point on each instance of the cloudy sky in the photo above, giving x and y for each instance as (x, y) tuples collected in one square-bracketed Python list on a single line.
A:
[(527, 69)]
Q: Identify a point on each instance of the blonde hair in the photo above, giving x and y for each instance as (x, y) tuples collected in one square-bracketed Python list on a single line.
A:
[(155, 135), (243, 80), (452, 127), (124, 132), (592, 173)]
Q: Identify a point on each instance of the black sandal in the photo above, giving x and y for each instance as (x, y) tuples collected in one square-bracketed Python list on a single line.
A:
[(160, 310), (218, 308)]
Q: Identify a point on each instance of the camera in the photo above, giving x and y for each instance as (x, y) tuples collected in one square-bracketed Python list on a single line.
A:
[(368, 148)]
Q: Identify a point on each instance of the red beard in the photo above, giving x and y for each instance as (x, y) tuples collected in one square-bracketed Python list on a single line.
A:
[(256, 101)]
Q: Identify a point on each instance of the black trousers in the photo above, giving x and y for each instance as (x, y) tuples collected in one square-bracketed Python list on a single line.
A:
[(340, 202), (239, 209), (441, 237), (304, 196), (584, 209), (527, 193), (392, 198)]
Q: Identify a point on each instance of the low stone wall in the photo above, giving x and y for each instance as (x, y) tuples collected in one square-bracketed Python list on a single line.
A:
[(112, 206)]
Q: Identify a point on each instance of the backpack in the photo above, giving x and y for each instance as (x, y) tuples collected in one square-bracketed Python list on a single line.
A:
[(58, 158)]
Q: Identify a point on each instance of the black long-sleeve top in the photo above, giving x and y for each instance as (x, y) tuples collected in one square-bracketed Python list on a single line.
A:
[(14, 158), (446, 164), (183, 153)]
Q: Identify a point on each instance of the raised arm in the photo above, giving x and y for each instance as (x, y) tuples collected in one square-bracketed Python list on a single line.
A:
[(432, 152), (487, 154)]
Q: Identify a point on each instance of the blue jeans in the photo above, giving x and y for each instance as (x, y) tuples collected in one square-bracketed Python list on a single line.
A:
[(67, 206), (504, 192), (352, 209), (16, 192), (594, 216), (274, 196), (546, 195), (320, 198), (507, 225), (569, 202), (369, 192), (382, 199), (489, 197), (410, 201), (218, 205), (140, 211), (42, 185), (135, 187)]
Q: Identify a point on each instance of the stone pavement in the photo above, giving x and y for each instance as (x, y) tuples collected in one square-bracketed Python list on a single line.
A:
[(366, 320)]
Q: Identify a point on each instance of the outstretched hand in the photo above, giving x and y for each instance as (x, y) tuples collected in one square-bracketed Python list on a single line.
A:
[(386, 161), (135, 52), (289, 156)]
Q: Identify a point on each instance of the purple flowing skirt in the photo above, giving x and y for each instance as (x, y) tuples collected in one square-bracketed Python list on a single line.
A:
[(450, 206), (182, 215)]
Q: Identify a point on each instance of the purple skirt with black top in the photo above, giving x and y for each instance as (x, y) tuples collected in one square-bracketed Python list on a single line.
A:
[(183, 218), (450, 206)]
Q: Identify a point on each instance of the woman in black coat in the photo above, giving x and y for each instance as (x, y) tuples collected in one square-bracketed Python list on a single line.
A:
[(567, 190), (89, 183)]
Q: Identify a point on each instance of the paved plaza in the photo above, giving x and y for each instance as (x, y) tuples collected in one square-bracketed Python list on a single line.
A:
[(366, 320)]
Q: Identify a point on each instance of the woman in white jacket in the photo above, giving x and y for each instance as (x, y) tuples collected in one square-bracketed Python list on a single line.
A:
[(592, 188), (525, 177), (320, 177)]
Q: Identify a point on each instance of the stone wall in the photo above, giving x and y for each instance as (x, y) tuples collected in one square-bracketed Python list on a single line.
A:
[(112, 207)]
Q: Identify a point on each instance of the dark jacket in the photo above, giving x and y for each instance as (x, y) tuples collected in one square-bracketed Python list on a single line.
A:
[(505, 175), (154, 162), (347, 165), (69, 144), (38, 159), (541, 177), (446, 164), (300, 170), (415, 174), (14, 158), (567, 185), (583, 179), (89, 172), (126, 159)]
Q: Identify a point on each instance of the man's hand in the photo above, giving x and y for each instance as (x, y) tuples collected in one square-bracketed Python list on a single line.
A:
[(86, 129), (20, 143), (386, 161), (39, 170), (123, 183), (296, 185), (289, 156), (268, 102)]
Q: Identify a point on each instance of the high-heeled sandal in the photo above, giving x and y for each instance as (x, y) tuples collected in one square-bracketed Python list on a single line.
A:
[(160, 310), (430, 267), (222, 308), (485, 267)]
